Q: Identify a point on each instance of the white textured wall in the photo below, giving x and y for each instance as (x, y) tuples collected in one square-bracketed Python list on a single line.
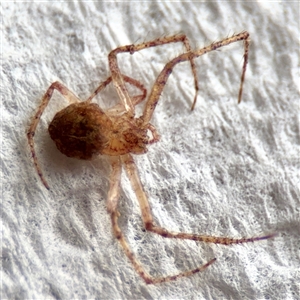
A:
[(225, 169)]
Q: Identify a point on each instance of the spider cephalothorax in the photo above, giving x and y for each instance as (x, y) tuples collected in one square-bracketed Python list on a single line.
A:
[(83, 130)]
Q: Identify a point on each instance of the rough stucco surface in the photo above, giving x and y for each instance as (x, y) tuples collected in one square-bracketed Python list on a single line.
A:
[(224, 169)]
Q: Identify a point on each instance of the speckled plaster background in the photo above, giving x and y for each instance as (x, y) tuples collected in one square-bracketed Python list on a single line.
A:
[(224, 169)]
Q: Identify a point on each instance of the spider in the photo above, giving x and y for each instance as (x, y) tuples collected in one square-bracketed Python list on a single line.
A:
[(83, 130)]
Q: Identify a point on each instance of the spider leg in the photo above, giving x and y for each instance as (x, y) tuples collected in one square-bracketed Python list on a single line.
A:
[(118, 78), (136, 99), (118, 108), (99, 88), (138, 266), (114, 179), (66, 93), (155, 135), (148, 219), (165, 73), (112, 201)]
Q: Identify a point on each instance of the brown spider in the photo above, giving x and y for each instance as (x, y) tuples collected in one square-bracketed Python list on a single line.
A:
[(83, 130)]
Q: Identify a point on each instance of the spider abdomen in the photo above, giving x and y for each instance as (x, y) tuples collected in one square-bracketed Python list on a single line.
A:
[(80, 130)]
